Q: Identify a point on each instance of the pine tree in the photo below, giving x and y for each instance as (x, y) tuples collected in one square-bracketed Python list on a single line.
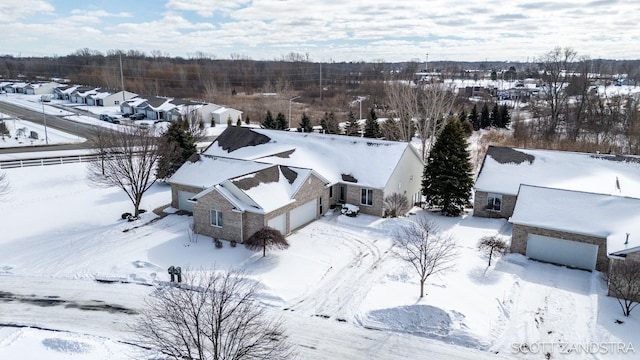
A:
[(269, 122), (371, 126), (447, 180), (351, 127), (494, 118), (281, 122), (239, 122), (247, 120), (462, 115), (175, 146), (475, 118), (329, 123), (505, 117), (305, 123), (485, 118)]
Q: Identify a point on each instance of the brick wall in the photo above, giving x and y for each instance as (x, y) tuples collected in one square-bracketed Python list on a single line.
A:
[(520, 235), (177, 187), (480, 206), (354, 197)]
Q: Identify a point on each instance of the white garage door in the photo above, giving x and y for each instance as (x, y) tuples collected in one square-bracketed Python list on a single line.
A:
[(564, 252), (303, 214), (279, 223), (183, 204)]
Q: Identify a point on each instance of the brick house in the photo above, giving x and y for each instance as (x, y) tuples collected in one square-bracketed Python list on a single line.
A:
[(251, 178), (574, 209)]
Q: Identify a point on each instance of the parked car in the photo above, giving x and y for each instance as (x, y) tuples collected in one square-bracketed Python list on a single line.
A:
[(113, 120), (137, 116), (104, 117)]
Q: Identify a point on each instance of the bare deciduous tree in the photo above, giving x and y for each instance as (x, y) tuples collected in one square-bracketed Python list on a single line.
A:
[(211, 316), (266, 237), (492, 245), (556, 67), (436, 102), (194, 122), (396, 204), (125, 159), (4, 185), (428, 251), (624, 284)]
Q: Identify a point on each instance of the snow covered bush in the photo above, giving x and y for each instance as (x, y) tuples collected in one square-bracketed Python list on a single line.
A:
[(349, 210), (125, 216)]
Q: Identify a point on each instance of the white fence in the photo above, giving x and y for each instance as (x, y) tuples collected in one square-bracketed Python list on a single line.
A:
[(10, 164)]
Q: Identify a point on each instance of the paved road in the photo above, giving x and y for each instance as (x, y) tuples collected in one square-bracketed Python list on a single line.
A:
[(56, 122)]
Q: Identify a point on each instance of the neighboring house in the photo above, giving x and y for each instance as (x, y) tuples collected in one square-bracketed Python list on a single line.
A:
[(574, 228), (81, 94), (40, 88), (104, 97), (129, 106), (221, 114), (15, 88), (246, 171), (63, 92), (505, 169), (574, 209), (155, 108)]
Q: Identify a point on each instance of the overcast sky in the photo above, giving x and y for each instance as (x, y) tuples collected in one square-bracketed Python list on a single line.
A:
[(326, 30)]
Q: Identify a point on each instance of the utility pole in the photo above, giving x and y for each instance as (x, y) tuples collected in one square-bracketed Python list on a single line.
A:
[(44, 119), (121, 77), (290, 100), (320, 81)]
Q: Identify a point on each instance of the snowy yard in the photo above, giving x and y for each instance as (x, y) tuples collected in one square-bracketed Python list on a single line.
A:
[(339, 288)]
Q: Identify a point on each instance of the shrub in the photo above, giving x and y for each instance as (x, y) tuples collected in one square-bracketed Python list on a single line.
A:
[(233, 243), (266, 237), (350, 210), (396, 205), (218, 243), (125, 215)]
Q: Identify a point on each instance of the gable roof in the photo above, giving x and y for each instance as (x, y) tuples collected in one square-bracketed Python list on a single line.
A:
[(600, 215), (504, 169), (207, 171), (337, 158)]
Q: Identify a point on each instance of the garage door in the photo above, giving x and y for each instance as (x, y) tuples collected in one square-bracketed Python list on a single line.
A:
[(279, 223), (564, 252), (303, 214), (183, 204)]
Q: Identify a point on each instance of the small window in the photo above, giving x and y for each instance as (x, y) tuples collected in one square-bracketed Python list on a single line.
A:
[(494, 202), (366, 197), (216, 218), (331, 191)]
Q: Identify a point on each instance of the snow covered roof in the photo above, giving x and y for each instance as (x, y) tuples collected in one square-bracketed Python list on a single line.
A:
[(208, 171), (337, 158), (600, 215), (504, 169)]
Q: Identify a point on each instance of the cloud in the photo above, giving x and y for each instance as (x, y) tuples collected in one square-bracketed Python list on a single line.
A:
[(16, 10), (204, 8)]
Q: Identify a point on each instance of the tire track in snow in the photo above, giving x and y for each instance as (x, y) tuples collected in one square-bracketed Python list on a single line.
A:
[(341, 293)]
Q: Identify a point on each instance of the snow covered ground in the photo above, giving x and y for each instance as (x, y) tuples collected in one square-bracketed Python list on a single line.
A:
[(20, 134), (339, 288)]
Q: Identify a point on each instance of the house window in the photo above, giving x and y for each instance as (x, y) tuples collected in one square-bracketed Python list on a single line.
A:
[(116, 102), (494, 202), (216, 218), (366, 197)]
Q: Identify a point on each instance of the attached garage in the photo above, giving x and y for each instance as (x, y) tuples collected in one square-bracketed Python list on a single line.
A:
[(279, 223), (183, 203), (564, 252), (303, 214)]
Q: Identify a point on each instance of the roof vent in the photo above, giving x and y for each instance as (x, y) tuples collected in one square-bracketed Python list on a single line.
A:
[(627, 239)]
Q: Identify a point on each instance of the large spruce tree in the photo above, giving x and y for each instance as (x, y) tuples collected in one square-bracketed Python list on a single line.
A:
[(485, 117), (474, 117), (371, 126), (447, 178), (175, 146)]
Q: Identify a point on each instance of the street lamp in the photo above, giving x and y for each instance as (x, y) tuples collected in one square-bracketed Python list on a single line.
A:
[(360, 101), (44, 119), (290, 100)]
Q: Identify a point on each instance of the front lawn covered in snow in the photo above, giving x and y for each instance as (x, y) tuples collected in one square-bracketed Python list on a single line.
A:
[(64, 244)]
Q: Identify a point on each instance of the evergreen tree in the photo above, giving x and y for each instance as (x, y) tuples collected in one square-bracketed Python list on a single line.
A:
[(239, 122), (371, 126), (485, 118), (475, 118), (247, 120), (447, 180), (175, 146), (229, 121), (351, 127), (269, 122), (462, 115), (505, 117), (329, 123), (281, 122), (305, 123), (494, 118)]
